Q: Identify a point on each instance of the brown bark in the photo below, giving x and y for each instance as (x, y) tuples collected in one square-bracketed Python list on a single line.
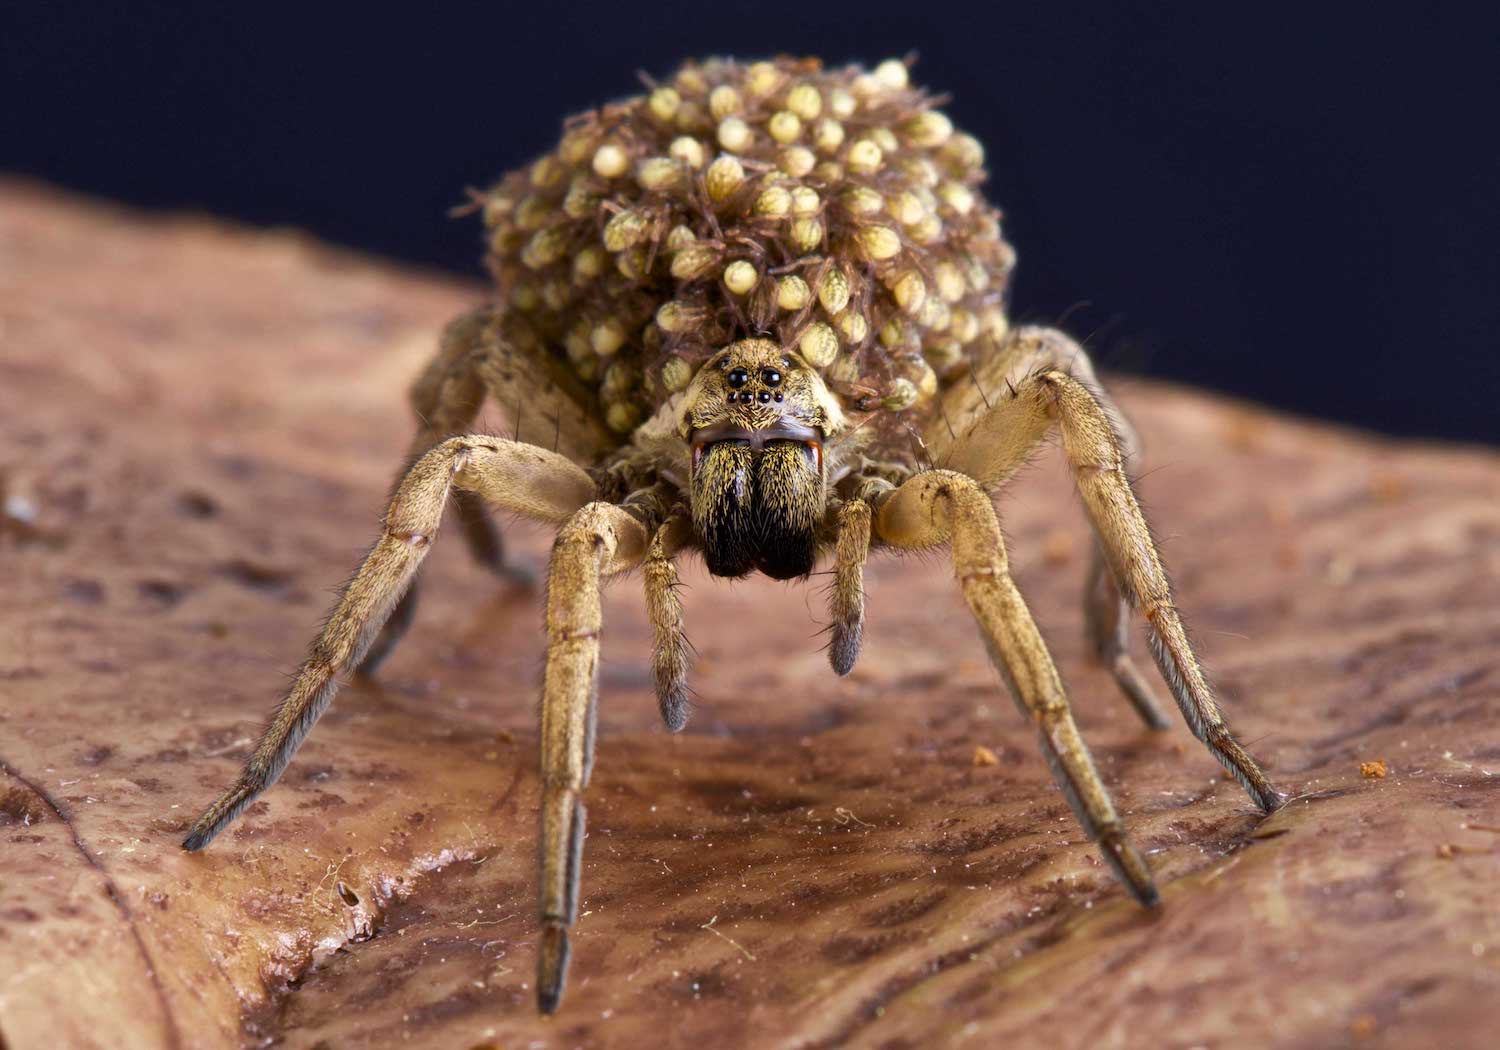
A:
[(206, 419)]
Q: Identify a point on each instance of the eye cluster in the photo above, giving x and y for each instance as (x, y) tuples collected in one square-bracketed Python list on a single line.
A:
[(746, 386)]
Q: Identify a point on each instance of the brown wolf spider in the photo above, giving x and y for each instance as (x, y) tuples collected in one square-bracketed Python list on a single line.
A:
[(745, 314)]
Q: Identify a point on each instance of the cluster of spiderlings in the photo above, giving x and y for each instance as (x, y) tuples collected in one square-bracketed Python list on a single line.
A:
[(833, 210)]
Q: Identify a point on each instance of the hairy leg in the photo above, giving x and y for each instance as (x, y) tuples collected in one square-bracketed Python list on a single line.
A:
[(847, 598), (993, 459), (671, 651), (941, 506), (521, 478), (598, 540), (447, 397), (996, 443)]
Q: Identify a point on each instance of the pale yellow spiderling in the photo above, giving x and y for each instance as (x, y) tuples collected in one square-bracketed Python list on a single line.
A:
[(900, 395), (694, 261), (950, 281), (792, 293), (674, 316), (773, 202), (861, 200), (785, 127), (928, 130), (588, 264), (956, 197), (878, 243), (797, 161), (805, 100), (763, 79), (725, 176), (607, 337), (624, 230), (724, 101), (892, 74), (547, 172), (833, 291), (910, 292), (853, 326), (658, 173), (533, 212), (688, 150), (828, 135), (679, 238), (663, 103), (806, 233), (611, 161), (819, 345), (864, 157), (735, 135), (740, 277), (885, 138), (545, 248), (676, 374), (964, 153), (906, 208), (963, 325), (841, 103), (805, 201)]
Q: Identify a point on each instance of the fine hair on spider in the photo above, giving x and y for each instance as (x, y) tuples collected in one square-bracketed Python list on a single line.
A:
[(757, 314)]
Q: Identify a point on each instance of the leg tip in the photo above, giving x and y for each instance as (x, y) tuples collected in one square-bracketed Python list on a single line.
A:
[(674, 708), (197, 839), (843, 650), (552, 967)]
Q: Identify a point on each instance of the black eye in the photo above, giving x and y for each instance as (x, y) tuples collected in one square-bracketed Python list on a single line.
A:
[(765, 396), (738, 378), (771, 376)]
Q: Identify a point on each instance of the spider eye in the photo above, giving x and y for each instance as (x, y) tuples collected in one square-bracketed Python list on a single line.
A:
[(771, 376), (738, 378)]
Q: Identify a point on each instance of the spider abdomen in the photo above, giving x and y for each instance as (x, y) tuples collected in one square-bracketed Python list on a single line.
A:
[(835, 211)]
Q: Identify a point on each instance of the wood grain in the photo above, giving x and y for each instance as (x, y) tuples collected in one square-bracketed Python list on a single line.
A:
[(205, 420)]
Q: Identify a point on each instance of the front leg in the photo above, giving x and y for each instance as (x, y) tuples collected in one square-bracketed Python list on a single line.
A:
[(517, 477), (1000, 440), (940, 506), (994, 447), (599, 540)]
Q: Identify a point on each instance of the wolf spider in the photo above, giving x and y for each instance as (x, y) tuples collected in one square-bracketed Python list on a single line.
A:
[(755, 450)]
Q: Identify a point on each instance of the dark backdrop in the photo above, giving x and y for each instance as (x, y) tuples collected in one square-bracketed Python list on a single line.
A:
[(1295, 204)]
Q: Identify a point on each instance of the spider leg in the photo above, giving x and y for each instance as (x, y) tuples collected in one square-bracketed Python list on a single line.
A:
[(671, 651), (600, 539), (940, 506), (1106, 611), (521, 478), (1049, 397), (446, 398), (847, 599)]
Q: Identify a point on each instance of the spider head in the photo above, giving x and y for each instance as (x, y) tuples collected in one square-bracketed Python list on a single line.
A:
[(756, 417)]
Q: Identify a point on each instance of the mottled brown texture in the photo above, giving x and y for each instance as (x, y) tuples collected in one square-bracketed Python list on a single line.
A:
[(206, 420)]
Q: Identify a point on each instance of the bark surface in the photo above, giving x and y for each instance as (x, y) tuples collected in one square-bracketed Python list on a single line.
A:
[(198, 428)]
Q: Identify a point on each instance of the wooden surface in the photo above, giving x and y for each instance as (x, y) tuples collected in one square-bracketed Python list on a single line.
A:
[(204, 421)]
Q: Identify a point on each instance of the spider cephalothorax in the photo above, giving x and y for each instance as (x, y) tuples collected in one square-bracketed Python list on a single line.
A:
[(757, 312), (756, 418)]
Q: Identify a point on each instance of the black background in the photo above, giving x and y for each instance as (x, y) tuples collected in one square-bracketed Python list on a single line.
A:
[(1295, 204)]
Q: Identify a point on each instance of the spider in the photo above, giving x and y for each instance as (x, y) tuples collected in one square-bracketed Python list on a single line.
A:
[(757, 312)]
